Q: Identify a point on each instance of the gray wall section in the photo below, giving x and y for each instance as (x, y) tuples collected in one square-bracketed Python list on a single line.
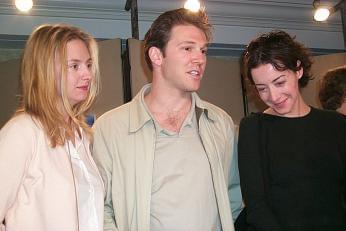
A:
[(10, 79), (140, 73), (221, 84), (111, 89), (321, 65)]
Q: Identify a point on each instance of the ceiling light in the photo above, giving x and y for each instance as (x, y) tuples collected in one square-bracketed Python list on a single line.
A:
[(321, 14), (24, 5), (192, 5), (324, 9)]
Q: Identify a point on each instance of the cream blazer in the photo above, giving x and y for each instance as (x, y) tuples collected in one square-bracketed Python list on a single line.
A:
[(37, 190)]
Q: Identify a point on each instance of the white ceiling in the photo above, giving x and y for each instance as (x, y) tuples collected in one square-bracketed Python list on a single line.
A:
[(235, 21)]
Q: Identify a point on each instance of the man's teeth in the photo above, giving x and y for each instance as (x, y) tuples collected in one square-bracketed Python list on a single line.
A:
[(194, 72)]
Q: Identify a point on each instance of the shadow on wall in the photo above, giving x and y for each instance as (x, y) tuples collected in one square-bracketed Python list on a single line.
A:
[(10, 89)]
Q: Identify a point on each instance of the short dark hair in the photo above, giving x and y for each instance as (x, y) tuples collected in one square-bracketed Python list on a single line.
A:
[(333, 88), (160, 31), (279, 49)]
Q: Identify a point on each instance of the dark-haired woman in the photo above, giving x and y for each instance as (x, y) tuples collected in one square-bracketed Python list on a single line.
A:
[(292, 157)]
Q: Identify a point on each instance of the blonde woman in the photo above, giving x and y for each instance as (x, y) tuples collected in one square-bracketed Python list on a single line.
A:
[(48, 178)]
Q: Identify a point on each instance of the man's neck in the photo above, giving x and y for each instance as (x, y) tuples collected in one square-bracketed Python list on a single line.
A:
[(169, 110)]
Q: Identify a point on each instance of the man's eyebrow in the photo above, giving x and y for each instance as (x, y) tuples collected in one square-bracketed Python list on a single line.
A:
[(187, 42)]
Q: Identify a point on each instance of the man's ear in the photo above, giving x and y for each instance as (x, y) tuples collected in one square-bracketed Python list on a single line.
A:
[(301, 70), (155, 55)]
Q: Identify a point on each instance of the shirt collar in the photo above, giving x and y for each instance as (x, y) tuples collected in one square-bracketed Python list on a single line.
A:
[(139, 115)]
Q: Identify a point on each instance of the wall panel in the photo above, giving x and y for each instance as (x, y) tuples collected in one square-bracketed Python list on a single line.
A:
[(320, 66), (111, 91), (9, 88)]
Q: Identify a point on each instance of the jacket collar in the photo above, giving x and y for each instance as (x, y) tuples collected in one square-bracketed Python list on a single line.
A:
[(139, 115)]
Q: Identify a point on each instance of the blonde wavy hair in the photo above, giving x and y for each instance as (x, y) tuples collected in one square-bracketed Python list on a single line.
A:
[(40, 98)]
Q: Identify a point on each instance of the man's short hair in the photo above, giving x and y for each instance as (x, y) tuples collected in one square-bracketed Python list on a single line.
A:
[(160, 31)]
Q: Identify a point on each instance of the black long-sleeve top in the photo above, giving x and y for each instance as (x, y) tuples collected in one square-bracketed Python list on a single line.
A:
[(293, 171)]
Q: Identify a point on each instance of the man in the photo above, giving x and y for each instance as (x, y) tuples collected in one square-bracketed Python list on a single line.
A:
[(165, 157)]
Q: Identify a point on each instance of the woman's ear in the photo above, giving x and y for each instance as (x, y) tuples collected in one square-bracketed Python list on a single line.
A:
[(300, 70), (156, 56)]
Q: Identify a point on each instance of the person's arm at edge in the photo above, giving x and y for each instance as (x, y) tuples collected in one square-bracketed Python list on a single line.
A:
[(234, 192), (343, 150), (104, 162), (259, 214), (17, 147)]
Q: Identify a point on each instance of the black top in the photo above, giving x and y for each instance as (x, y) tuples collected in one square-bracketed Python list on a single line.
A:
[(293, 171)]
